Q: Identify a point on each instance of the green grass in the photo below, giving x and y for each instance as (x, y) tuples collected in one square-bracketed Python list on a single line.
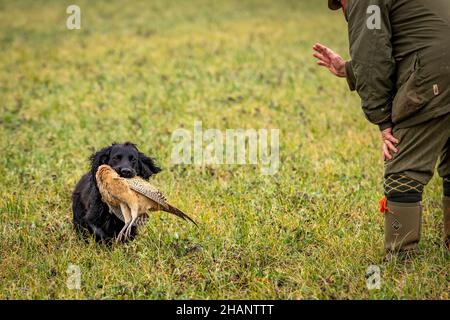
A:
[(139, 70)]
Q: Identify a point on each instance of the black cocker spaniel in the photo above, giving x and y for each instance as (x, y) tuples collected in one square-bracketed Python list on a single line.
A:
[(91, 216)]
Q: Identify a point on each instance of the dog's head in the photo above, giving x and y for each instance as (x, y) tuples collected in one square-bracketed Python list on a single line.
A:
[(125, 159)]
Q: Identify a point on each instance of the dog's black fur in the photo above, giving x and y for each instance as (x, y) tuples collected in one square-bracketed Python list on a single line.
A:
[(91, 216)]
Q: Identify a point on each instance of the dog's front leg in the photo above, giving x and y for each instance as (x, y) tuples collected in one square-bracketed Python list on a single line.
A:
[(93, 217)]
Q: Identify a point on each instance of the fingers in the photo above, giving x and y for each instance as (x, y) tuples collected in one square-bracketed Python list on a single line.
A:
[(391, 146), (323, 61), (386, 153), (325, 51), (389, 143), (392, 139), (388, 147), (318, 54), (327, 58), (317, 47), (387, 135), (320, 48), (322, 51), (321, 57)]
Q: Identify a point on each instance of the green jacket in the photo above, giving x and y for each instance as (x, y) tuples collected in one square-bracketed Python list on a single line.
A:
[(400, 67)]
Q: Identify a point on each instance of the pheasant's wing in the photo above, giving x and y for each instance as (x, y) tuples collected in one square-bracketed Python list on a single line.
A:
[(179, 213), (146, 189)]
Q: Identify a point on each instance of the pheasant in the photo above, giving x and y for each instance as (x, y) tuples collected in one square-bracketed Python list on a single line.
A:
[(132, 198)]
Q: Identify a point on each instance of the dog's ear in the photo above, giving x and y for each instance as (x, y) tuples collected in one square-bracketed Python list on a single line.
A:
[(98, 158), (147, 166)]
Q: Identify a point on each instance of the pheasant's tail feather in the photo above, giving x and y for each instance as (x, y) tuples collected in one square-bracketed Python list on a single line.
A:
[(179, 213), (146, 189)]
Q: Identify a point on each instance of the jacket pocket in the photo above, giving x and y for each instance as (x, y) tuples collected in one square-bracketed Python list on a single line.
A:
[(413, 94)]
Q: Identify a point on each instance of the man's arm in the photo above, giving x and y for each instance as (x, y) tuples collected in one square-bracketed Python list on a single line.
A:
[(372, 62), (351, 80)]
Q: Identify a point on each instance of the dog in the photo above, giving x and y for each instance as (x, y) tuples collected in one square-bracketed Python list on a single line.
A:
[(91, 216)]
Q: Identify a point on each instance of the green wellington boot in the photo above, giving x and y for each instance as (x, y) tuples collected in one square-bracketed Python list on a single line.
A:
[(446, 203), (402, 224)]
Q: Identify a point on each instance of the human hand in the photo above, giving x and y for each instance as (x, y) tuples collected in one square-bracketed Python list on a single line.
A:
[(389, 142), (330, 60)]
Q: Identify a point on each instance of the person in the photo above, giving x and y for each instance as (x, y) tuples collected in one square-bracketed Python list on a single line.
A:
[(400, 67)]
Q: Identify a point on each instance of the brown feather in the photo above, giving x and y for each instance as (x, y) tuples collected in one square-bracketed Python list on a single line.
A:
[(135, 194)]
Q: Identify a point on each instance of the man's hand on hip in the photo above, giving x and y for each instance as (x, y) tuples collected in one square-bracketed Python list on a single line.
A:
[(389, 142), (330, 60)]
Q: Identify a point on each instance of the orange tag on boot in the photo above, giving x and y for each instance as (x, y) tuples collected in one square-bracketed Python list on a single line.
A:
[(383, 205)]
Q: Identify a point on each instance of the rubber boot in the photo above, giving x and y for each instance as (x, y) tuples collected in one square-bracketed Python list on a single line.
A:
[(402, 224), (446, 203)]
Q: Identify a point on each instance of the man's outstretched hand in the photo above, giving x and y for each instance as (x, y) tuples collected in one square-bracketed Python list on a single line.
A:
[(389, 142), (330, 60)]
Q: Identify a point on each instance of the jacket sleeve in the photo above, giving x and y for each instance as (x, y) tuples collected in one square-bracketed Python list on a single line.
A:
[(372, 65), (350, 75)]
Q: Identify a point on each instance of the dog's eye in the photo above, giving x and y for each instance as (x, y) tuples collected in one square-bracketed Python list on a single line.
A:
[(117, 158), (132, 159)]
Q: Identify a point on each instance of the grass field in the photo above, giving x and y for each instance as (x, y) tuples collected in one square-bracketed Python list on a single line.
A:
[(138, 70)]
